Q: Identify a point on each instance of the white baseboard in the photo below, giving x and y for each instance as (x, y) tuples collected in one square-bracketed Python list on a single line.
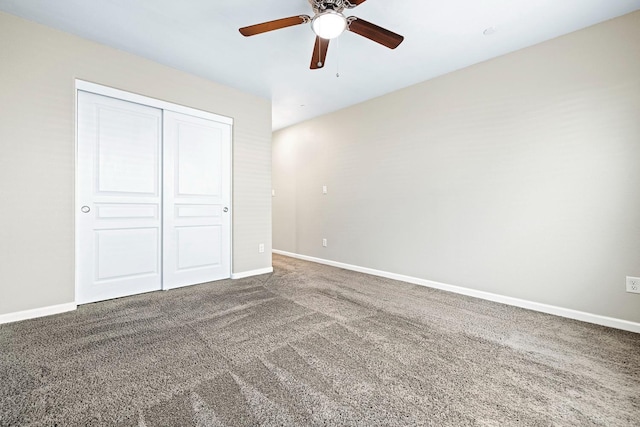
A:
[(63, 308), (597, 319), (250, 273), (37, 312)]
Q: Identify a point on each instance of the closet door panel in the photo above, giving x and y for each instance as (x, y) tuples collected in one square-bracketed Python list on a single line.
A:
[(118, 211), (197, 196)]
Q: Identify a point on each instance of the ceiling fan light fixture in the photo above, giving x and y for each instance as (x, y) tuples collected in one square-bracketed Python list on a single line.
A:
[(329, 24)]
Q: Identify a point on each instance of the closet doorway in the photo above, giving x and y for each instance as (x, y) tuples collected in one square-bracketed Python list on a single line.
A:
[(153, 196)]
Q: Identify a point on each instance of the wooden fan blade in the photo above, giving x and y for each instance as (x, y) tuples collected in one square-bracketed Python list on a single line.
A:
[(375, 33), (319, 53), (252, 30), (356, 2)]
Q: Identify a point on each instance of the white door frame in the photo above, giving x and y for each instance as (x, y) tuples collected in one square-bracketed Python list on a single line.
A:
[(151, 102)]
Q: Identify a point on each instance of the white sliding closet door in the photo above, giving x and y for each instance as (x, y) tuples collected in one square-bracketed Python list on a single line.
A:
[(153, 195), (197, 196), (118, 204)]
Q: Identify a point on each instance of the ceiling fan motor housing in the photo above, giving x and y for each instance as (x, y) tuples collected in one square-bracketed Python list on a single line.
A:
[(320, 6)]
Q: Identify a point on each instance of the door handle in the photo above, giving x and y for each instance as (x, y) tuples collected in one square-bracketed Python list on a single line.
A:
[(225, 209), (85, 209)]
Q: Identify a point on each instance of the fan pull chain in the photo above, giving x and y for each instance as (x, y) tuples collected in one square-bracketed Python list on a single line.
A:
[(319, 52), (338, 57)]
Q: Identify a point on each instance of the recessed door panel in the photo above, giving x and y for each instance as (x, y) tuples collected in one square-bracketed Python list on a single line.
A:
[(123, 166), (202, 211), (199, 157), (198, 247), (119, 211), (126, 253)]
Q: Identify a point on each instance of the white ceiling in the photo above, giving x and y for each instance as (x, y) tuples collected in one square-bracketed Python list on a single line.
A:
[(202, 38)]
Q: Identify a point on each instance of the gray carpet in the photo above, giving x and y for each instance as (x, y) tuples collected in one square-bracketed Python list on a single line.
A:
[(314, 345)]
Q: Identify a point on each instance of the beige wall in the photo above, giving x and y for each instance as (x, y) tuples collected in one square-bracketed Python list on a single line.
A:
[(519, 176), (38, 66)]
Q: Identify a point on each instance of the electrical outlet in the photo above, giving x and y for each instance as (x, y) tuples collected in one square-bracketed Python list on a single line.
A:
[(633, 284), (261, 248), (324, 243)]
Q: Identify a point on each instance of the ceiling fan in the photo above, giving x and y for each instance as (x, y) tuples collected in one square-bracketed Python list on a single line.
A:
[(328, 23)]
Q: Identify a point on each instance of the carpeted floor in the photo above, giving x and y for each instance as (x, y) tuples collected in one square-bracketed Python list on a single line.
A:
[(314, 345)]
